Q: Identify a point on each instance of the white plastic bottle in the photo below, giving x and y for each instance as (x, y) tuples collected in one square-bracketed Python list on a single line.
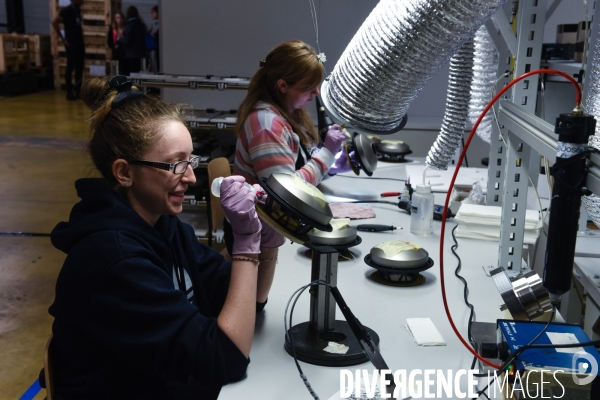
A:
[(421, 217)]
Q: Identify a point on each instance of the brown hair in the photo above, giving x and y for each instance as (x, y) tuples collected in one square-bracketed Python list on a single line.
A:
[(125, 131), (114, 21), (291, 61)]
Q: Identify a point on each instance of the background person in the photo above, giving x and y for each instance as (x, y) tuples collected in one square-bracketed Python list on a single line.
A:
[(153, 31), (70, 17), (115, 36), (142, 309), (134, 39)]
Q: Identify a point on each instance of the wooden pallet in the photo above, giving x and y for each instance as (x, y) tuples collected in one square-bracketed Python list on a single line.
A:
[(39, 50), (96, 18), (14, 53), (91, 68)]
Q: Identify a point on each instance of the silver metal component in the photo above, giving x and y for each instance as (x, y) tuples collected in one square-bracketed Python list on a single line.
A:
[(524, 296), (393, 147), (485, 73), (406, 259), (519, 162), (395, 53), (322, 303), (366, 152), (497, 159), (457, 106), (592, 107), (336, 237), (302, 196)]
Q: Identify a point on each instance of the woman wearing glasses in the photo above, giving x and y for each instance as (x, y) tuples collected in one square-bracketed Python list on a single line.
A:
[(142, 309)]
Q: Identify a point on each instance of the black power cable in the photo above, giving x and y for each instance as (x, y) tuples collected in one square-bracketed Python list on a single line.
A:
[(530, 345), (465, 292)]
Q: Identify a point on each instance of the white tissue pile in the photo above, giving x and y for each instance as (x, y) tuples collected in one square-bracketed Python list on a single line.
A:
[(483, 222)]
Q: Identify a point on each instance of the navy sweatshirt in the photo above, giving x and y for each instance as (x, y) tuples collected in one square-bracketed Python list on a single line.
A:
[(123, 329)]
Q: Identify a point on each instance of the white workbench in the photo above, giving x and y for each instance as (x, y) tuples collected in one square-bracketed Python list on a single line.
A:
[(272, 373)]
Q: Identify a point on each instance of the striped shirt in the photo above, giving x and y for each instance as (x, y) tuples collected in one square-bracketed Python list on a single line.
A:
[(267, 145)]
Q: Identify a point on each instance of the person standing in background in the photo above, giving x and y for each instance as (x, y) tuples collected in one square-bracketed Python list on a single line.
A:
[(134, 38), (70, 17), (114, 38), (154, 54)]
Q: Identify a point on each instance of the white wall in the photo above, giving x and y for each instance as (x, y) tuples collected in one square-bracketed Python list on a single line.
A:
[(564, 12)]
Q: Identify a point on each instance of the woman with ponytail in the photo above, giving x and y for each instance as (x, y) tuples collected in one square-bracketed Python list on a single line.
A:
[(275, 131), (142, 309)]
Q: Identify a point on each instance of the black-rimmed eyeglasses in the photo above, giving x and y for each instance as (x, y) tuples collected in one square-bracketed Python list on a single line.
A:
[(177, 168)]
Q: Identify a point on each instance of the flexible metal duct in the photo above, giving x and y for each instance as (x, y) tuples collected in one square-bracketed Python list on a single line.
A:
[(397, 50), (592, 107), (457, 107), (485, 73)]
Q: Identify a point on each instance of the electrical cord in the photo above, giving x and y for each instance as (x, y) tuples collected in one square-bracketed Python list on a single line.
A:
[(457, 169), (370, 178), (376, 201), (290, 338), (466, 290), (530, 345)]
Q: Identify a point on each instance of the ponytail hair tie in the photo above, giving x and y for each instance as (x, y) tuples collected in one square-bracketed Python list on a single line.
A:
[(124, 88), (262, 63)]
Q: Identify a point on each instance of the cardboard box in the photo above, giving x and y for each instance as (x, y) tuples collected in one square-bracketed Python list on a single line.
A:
[(581, 31), (566, 33)]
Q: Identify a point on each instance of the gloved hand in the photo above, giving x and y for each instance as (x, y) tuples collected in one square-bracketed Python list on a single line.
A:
[(269, 237), (334, 139), (341, 163), (238, 203)]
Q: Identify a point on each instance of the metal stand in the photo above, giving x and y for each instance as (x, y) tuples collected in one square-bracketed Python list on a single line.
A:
[(310, 338)]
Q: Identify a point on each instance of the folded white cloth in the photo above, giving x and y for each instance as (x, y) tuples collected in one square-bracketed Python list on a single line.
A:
[(424, 332), (483, 222)]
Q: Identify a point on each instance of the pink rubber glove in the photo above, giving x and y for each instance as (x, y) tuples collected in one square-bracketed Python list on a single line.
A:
[(341, 163), (334, 139), (238, 203), (269, 237)]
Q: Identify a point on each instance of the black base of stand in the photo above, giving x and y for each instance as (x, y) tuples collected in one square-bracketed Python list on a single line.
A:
[(309, 344)]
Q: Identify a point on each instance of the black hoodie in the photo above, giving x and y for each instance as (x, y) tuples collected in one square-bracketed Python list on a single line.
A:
[(122, 328)]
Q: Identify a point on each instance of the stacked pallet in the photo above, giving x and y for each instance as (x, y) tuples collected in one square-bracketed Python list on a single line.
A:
[(96, 18), (14, 53)]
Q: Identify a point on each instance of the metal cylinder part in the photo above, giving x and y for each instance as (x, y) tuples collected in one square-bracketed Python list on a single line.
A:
[(398, 49), (525, 297)]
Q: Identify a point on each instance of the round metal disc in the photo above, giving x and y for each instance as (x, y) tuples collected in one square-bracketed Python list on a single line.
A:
[(347, 149), (335, 237), (391, 270), (406, 259), (266, 218), (404, 280), (365, 153), (300, 195), (393, 147)]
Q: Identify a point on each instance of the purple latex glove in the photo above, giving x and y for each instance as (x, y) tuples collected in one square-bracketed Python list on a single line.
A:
[(238, 203), (334, 139), (269, 237), (341, 163)]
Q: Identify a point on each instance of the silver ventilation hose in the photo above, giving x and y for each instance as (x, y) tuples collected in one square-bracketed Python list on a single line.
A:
[(457, 107), (485, 73), (395, 53), (592, 107)]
